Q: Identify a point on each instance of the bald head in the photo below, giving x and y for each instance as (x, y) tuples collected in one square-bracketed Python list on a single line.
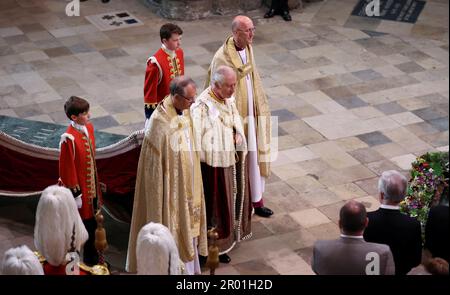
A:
[(353, 218), (243, 31), (240, 21)]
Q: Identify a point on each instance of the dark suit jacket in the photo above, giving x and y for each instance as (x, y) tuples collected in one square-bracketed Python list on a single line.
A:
[(436, 232), (401, 233), (347, 256)]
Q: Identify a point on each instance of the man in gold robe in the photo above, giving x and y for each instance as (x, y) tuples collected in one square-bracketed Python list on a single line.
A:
[(252, 104), (169, 187), (219, 135)]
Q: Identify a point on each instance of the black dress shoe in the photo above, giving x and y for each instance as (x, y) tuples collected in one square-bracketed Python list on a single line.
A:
[(270, 13), (263, 211), (224, 258), (286, 16)]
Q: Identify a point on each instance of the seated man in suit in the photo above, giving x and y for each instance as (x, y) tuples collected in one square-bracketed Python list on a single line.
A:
[(389, 226), (21, 261), (351, 255)]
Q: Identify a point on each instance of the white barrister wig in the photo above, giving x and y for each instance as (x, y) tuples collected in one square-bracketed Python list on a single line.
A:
[(21, 261), (156, 251), (58, 225)]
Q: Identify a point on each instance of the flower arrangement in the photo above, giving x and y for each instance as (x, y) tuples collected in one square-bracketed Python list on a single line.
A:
[(428, 185)]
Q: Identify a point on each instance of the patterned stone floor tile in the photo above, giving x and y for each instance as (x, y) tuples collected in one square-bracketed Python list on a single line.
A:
[(319, 197), (347, 191), (299, 154), (255, 267), (390, 108), (366, 155), (57, 51), (288, 262), (351, 102), (437, 139), (379, 166), (306, 254), (371, 203), (374, 138), (332, 211), (298, 239), (370, 186), (309, 217), (280, 224), (443, 148), (422, 128), (286, 141), (333, 155), (404, 161), (441, 124), (305, 183), (259, 231), (349, 144), (289, 171), (406, 118), (284, 115)]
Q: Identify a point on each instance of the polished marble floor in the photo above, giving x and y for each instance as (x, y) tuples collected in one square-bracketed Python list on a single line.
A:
[(354, 97)]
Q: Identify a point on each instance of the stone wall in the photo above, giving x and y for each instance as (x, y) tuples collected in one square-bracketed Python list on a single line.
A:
[(197, 9)]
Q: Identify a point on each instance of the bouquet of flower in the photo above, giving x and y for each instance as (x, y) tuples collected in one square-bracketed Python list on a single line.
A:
[(429, 181)]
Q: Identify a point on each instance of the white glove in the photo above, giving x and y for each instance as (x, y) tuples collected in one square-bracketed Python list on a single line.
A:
[(79, 201)]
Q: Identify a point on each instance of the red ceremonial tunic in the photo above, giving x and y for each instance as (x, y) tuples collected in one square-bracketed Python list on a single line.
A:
[(77, 168), (161, 69), (59, 270)]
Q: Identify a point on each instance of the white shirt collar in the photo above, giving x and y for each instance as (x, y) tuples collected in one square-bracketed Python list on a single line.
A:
[(391, 207), (351, 237), (79, 127), (171, 53)]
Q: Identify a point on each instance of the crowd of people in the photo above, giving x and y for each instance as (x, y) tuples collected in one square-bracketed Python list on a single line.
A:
[(203, 164)]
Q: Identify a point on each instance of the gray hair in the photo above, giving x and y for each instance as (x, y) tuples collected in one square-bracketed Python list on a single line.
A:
[(219, 75), (393, 186), (178, 84), (21, 261)]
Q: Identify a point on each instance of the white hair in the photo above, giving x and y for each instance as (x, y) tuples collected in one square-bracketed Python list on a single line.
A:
[(218, 77), (58, 225), (156, 251), (21, 261), (393, 185)]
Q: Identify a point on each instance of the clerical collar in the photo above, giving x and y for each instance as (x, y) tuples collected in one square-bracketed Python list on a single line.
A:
[(171, 53), (81, 128), (351, 237), (213, 95), (179, 113), (238, 48), (390, 207)]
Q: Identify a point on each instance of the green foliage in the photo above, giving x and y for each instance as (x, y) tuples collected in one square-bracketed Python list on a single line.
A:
[(427, 185)]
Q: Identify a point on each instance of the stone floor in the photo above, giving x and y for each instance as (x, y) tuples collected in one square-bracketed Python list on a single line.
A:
[(354, 96)]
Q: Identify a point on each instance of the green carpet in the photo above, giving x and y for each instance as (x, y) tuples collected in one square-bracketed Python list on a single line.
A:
[(47, 134)]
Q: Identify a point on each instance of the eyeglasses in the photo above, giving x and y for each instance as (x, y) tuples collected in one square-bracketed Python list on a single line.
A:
[(190, 99), (248, 30)]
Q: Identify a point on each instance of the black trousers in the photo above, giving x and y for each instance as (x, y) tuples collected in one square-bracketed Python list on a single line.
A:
[(90, 255), (279, 5)]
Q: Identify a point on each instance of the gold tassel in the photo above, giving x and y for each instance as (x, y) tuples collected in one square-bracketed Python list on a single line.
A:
[(212, 262), (100, 237)]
